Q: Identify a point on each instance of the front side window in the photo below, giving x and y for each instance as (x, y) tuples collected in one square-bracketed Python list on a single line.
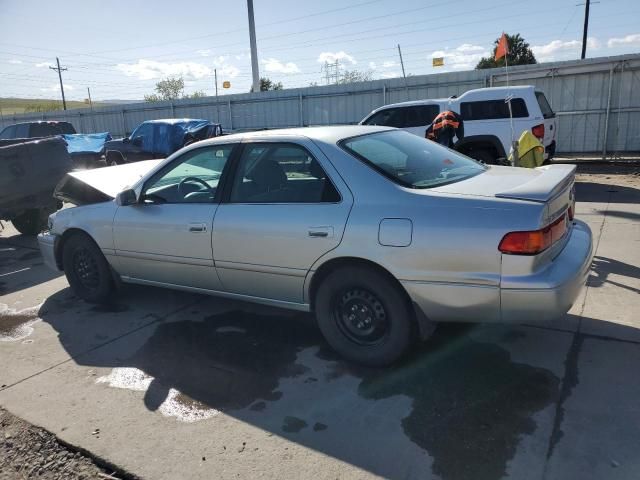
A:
[(22, 131), (193, 178), (389, 117), (493, 109), (8, 133), (411, 161), (421, 115), (145, 135), (281, 173), (44, 130)]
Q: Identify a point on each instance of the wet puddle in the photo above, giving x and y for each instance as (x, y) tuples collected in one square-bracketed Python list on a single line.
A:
[(471, 403), (192, 370), (16, 325)]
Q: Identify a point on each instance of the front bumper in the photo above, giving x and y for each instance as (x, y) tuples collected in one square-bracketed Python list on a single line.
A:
[(562, 283), (47, 244)]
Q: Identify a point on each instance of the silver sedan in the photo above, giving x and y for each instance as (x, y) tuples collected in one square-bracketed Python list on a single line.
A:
[(380, 233)]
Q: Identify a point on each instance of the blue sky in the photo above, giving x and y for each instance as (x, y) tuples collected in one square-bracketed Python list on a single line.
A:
[(120, 49)]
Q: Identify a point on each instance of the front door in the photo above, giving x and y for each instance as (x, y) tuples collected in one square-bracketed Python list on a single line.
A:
[(283, 213), (166, 236)]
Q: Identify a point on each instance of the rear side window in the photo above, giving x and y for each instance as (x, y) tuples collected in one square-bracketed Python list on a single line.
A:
[(493, 109), (44, 130), (8, 133), (281, 173), (22, 130), (66, 128), (421, 115), (547, 112)]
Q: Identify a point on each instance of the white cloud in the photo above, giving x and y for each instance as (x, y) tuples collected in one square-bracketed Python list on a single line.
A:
[(204, 53), (383, 65), (630, 40), (55, 87), (464, 57), (150, 69), (390, 75), (331, 57), (43, 64), (558, 49), (275, 65), (15, 61)]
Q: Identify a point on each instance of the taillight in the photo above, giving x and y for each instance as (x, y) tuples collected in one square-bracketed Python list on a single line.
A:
[(538, 131), (534, 241)]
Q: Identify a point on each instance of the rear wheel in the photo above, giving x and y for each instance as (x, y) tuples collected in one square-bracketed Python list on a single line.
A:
[(114, 158), (86, 269), (364, 316), (31, 222)]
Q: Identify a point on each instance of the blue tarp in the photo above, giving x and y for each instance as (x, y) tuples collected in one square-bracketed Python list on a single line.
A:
[(86, 143), (171, 136)]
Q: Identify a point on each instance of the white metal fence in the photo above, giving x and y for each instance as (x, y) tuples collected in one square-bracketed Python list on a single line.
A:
[(597, 102)]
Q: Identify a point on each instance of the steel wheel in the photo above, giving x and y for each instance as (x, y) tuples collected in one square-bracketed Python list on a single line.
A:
[(360, 315), (86, 268)]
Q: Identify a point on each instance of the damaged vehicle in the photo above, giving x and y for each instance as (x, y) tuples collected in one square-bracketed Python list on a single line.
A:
[(159, 139), (380, 233), (29, 173)]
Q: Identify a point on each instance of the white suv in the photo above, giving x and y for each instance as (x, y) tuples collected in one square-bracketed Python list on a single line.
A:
[(487, 129)]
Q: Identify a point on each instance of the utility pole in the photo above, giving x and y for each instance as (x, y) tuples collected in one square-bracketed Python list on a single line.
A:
[(215, 75), (586, 27), (60, 70), (403, 74), (254, 49), (93, 117)]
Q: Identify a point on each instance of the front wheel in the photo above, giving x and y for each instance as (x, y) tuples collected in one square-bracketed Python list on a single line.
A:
[(364, 316), (86, 269)]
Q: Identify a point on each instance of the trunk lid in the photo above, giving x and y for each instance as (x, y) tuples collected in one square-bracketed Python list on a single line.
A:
[(551, 185), (101, 184)]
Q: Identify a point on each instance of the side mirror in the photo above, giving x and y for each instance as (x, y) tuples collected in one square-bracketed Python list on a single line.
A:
[(126, 140), (126, 197), (137, 141)]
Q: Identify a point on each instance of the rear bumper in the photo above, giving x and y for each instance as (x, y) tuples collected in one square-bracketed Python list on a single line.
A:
[(557, 288), (47, 244)]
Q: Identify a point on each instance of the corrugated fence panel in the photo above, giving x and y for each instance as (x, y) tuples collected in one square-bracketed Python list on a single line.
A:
[(577, 90)]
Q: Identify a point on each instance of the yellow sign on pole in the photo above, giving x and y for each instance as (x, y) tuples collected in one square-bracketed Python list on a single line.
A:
[(438, 61), (226, 84)]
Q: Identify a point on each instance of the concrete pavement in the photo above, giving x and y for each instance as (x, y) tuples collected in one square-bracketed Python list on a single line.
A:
[(172, 385)]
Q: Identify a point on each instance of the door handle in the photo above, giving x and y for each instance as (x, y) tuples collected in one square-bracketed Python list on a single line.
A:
[(197, 227), (320, 232)]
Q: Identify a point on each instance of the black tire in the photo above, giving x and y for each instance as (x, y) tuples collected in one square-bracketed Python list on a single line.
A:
[(381, 331), (31, 222), (114, 158), (484, 156), (86, 269)]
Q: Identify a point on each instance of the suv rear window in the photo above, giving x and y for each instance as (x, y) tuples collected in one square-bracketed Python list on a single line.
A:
[(493, 109), (547, 112), (411, 161)]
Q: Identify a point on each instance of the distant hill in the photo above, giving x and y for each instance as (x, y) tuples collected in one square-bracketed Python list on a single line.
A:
[(12, 106)]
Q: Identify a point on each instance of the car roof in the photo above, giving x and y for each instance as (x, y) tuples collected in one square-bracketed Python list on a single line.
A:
[(433, 101), (328, 134), (175, 121), (39, 121)]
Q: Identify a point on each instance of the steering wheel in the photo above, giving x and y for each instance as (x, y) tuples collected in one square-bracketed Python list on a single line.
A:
[(195, 180)]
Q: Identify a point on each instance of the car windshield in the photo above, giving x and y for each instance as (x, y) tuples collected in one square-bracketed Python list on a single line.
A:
[(411, 161)]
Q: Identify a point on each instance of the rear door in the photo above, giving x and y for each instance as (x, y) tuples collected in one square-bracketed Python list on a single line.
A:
[(287, 207), (418, 117)]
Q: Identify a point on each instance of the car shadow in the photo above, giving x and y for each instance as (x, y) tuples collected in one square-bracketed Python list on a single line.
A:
[(21, 264), (458, 398), (602, 267), (593, 192)]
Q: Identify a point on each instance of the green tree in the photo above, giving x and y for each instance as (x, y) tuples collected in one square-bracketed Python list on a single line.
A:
[(170, 88), (267, 84), (519, 54), (196, 94), (352, 76)]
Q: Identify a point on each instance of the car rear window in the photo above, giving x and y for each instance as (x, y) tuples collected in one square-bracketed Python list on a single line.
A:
[(411, 161), (493, 109), (547, 112)]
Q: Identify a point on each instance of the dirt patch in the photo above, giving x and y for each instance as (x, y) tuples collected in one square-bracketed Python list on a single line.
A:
[(622, 174), (14, 325), (30, 452)]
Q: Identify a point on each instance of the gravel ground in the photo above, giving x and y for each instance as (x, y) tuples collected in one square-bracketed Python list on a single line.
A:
[(28, 452), (624, 174)]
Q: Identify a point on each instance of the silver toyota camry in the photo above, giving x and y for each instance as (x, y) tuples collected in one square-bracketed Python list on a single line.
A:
[(380, 233)]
